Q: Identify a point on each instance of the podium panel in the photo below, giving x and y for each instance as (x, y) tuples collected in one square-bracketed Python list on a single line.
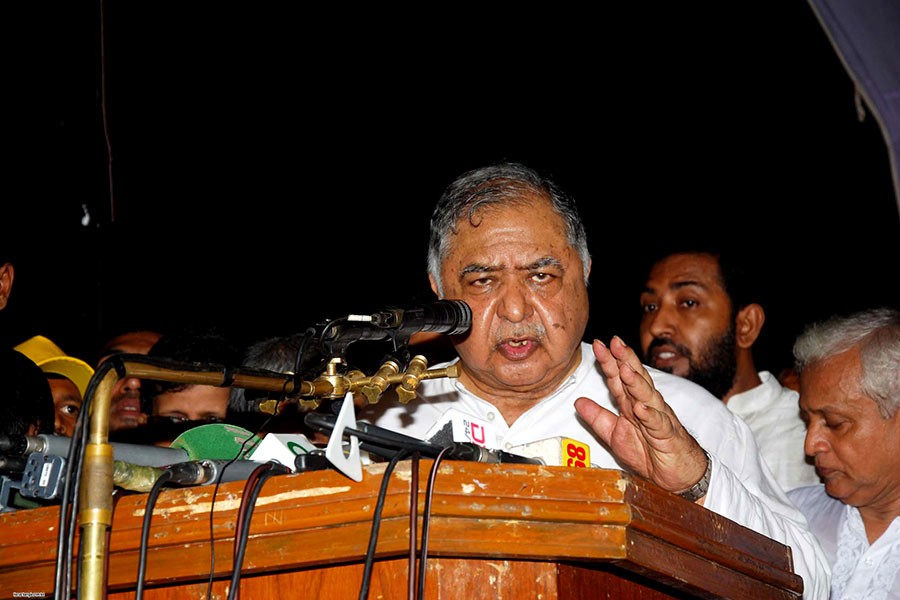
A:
[(504, 531)]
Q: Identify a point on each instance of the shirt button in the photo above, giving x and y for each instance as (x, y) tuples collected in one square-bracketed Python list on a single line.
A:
[(490, 416)]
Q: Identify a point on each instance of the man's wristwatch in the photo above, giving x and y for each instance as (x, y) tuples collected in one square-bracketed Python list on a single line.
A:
[(699, 489)]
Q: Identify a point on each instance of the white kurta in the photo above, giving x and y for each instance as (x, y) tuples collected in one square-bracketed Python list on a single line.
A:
[(742, 488), (772, 412), (859, 571)]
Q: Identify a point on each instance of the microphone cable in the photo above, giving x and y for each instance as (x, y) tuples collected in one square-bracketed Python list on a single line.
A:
[(242, 508), (413, 520), (68, 509), (212, 512), (240, 535), (426, 521), (376, 524), (252, 488), (161, 481)]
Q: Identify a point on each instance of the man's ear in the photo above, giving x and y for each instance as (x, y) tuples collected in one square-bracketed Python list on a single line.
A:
[(748, 325), (7, 273)]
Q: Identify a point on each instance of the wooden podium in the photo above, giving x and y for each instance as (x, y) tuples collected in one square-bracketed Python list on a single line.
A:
[(496, 531)]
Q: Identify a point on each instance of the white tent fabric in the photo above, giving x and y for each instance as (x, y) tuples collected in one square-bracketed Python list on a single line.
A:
[(866, 36)]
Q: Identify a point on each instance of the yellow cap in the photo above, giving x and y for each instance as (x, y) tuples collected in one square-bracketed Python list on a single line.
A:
[(51, 359)]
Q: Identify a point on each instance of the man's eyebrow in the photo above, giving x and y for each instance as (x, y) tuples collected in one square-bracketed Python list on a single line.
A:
[(679, 285), (480, 268), (541, 263), (693, 283), (547, 261)]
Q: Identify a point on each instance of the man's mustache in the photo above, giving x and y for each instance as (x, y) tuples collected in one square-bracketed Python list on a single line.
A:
[(536, 331)]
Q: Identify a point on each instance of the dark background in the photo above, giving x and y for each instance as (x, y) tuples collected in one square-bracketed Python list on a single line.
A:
[(259, 168)]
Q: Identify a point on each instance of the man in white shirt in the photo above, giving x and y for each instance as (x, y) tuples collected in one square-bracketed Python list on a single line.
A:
[(512, 246), (701, 317), (850, 395)]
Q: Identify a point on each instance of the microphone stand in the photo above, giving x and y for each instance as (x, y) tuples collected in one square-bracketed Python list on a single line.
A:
[(96, 489)]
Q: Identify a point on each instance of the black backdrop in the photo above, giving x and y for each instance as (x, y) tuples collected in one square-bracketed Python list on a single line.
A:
[(271, 167)]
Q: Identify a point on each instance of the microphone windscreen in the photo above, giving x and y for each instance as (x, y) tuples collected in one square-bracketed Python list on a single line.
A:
[(443, 436), (216, 441)]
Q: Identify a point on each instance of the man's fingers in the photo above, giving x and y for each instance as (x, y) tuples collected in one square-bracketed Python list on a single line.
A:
[(600, 420), (625, 354), (611, 368)]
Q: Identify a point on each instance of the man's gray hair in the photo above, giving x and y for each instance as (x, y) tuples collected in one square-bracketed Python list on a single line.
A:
[(877, 334), (505, 184)]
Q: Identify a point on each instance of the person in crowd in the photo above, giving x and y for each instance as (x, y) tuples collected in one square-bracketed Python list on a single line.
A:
[(701, 316), (789, 378), (125, 402), (278, 354), (67, 401), (174, 406), (849, 368), (67, 375), (7, 274), (26, 409), (512, 245), (26, 405)]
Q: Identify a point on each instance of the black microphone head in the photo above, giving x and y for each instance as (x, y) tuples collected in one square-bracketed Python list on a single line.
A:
[(450, 317)]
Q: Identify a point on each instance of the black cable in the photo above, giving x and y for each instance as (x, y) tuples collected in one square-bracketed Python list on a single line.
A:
[(240, 529), (242, 509), (69, 501), (68, 510), (426, 520), (212, 512), (62, 565), (413, 519), (374, 435), (164, 477), (73, 514), (300, 361), (266, 471), (376, 524)]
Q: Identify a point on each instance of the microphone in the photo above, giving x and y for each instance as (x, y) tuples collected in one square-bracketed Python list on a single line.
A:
[(450, 317), (58, 445), (141, 478), (44, 475), (12, 465), (557, 451), (457, 426), (475, 453), (211, 441), (386, 443)]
